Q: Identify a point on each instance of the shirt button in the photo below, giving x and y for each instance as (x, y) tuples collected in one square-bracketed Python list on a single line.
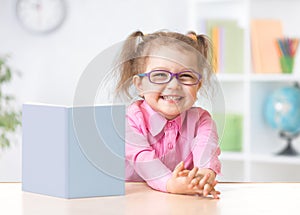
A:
[(170, 124), (170, 146)]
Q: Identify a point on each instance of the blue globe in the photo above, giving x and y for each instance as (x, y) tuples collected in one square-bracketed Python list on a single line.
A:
[(282, 109)]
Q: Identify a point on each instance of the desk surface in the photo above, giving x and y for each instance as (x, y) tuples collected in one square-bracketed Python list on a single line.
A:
[(236, 198)]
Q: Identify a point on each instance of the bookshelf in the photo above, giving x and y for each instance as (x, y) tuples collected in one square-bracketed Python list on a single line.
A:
[(246, 91)]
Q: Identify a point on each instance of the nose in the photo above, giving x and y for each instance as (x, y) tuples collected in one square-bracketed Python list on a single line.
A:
[(174, 83)]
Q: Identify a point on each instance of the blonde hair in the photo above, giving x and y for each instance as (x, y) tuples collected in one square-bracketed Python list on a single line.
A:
[(138, 47)]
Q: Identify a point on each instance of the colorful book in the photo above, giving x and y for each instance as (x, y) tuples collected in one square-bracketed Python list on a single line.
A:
[(264, 33), (230, 130), (230, 44), (215, 38)]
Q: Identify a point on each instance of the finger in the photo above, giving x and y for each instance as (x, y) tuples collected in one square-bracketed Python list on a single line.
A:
[(179, 165), (177, 169), (195, 182), (184, 172), (204, 180), (207, 189), (191, 186), (214, 183), (199, 175), (197, 191), (192, 174), (215, 194), (218, 192)]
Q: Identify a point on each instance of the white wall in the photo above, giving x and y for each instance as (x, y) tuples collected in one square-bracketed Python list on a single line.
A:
[(52, 64)]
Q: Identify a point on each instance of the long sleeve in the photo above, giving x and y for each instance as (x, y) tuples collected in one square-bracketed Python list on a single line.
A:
[(141, 156), (205, 148)]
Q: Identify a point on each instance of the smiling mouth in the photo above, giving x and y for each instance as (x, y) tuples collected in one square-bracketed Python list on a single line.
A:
[(172, 98)]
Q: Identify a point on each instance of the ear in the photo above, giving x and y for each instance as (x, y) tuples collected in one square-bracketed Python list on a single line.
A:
[(137, 81), (199, 85)]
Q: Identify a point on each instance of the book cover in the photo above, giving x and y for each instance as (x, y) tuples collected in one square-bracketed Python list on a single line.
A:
[(215, 37), (264, 33), (230, 44), (230, 130), (73, 152)]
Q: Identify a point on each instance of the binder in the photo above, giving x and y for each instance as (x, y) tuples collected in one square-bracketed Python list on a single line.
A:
[(264, 33)]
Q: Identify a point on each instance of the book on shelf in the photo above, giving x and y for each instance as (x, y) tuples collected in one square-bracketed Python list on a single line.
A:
[(227, 38), (215, 38), (230, 130), (264, 33)]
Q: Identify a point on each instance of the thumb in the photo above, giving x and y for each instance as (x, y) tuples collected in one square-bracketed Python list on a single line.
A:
[(180, 165), (178, 168)]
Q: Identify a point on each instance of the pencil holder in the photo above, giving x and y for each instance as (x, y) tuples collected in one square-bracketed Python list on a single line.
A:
[(287, 64)]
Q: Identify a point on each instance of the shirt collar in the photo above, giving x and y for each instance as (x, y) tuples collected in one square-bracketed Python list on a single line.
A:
[(156, 122)]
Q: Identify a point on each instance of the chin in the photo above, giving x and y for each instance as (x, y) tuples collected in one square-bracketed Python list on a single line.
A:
[(170, 116)]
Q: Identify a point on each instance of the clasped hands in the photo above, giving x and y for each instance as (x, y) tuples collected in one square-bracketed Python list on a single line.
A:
[(195, 181)]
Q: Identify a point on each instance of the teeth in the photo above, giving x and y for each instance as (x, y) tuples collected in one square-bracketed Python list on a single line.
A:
[(175, 98)]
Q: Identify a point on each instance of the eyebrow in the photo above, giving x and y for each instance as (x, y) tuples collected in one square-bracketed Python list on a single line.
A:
[(167, 69)]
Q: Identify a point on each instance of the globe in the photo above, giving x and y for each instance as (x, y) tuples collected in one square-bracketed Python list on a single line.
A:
[(282, 109), (282, 112)]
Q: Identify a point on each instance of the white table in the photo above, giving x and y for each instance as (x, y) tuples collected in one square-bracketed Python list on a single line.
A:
[(236, 198)]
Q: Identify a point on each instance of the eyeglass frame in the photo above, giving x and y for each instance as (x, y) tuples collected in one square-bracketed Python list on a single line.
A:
[(147, 74)]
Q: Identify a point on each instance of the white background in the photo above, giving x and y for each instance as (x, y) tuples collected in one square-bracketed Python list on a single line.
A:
[(51, 64)]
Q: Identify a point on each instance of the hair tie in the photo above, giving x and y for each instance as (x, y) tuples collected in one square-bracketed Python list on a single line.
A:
[(139, 40), (193, 37)]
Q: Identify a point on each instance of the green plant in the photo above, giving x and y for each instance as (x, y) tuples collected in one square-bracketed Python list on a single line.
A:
[(10, 118)]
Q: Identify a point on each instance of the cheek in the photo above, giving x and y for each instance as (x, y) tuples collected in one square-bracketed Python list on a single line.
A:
[(151, 96), (192, 93), (151, 90)]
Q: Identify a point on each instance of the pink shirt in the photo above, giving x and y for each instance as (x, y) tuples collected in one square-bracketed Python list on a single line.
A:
[(155, 145)]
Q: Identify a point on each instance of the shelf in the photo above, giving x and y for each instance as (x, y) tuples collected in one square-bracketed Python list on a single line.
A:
[(274, 77), (245, 92), (216, 1), (230, 77), (279, 159), (232, 156)]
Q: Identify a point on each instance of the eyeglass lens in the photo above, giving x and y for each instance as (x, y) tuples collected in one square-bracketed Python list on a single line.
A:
[(185, 77)]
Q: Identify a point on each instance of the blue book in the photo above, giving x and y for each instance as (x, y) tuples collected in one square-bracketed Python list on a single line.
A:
[(73, 152)]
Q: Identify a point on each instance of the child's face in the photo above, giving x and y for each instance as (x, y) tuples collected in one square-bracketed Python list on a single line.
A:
[(172, 98)]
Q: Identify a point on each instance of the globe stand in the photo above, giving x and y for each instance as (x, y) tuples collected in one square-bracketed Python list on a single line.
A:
[(288, 150)]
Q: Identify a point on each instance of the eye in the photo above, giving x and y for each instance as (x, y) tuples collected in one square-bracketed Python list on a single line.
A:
[(188, 76), (159, 74)]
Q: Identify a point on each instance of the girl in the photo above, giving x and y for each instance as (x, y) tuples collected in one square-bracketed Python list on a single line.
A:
[(170, 144)]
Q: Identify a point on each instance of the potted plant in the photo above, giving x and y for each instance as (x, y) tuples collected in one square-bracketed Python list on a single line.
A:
[(10, 118)]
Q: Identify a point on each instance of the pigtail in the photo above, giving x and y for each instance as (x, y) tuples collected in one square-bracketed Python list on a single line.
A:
[(204, 47), (207, 49), (127, 67), (203, 42), (207, 62)]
